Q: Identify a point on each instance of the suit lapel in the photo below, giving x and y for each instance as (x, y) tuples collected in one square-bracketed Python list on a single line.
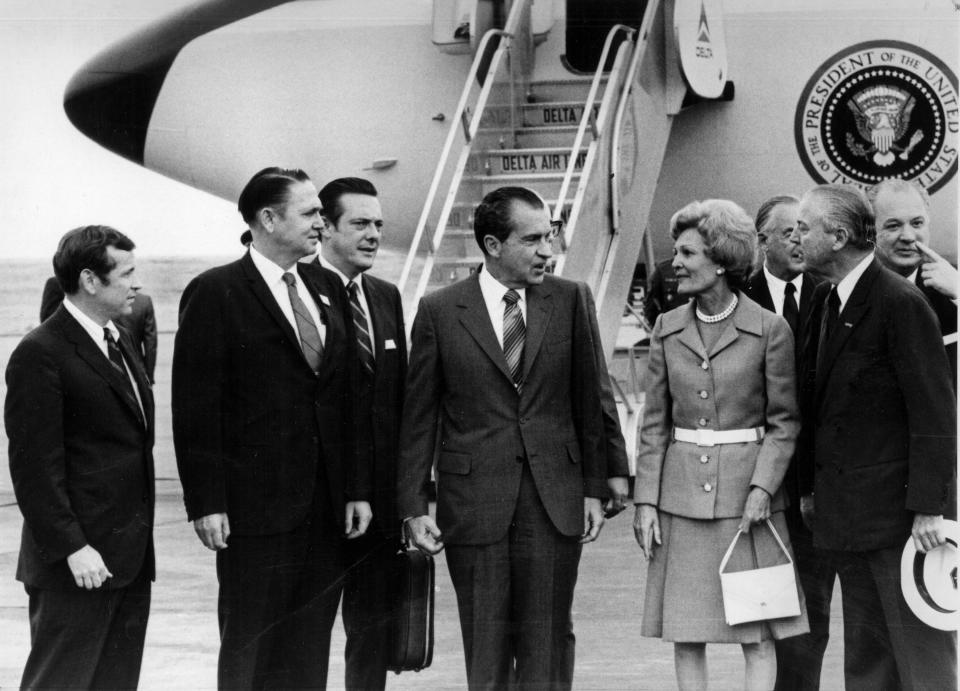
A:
[(134, 363), (268, 301), (379, 318), (690, 336), (761, 292), (94, 357), (851, 314), (539, 310), (476, 320)]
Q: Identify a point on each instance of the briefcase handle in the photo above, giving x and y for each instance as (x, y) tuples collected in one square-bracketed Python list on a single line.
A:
[(726, 557)]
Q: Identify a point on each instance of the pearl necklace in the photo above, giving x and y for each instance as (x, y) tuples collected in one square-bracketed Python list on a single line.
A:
[(720, 316)]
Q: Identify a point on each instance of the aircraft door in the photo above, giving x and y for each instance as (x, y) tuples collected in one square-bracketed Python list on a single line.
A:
[(589, 21)]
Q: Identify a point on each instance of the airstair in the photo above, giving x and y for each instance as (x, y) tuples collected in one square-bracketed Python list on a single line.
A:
[(592, 147)]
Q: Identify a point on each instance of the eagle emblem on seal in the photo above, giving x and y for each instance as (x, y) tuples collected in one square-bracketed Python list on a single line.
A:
[(882, 115)]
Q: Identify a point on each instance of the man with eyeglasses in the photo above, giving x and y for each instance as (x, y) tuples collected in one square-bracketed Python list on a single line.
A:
[(504, 370)]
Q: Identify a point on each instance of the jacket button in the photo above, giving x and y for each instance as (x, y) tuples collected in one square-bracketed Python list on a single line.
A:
[(707, 487), (704, 458), (703, 393), (702, 422), (704, 365)]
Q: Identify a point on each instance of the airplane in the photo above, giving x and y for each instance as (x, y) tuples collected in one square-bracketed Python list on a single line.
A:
[(617, 112)]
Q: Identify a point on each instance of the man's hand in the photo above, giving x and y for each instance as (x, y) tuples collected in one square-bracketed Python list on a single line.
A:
[(619, 491), (756, 509), (592, 519), (646, 528), (213, 530), (937, 272), (927, 532), (358, 518), (423, 532), (807, 512), (88, 568)]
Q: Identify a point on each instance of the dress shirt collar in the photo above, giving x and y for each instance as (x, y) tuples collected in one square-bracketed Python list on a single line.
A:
[(343, 277), (272, 273), (493, 292), (849, 282), (90, 326), (778, 288), (913, 276)]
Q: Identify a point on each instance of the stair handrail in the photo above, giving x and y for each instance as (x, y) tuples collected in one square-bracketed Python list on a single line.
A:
[(587, 118), (639, 49), (459, 119)]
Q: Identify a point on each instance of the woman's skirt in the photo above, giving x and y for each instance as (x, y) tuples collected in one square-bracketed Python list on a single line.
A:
[(683, 602)]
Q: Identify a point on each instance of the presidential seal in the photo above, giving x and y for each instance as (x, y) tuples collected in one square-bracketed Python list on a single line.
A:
[(878, 110)]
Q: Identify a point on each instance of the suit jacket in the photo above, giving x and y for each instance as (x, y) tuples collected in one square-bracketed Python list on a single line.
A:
[(381, 399), (758, 291), (81, 455), (746, 380), (946, 312), (460, 396), (141, 322), (251, 420), (879, 440)]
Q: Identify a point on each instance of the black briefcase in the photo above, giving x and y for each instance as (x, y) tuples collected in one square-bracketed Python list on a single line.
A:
[(411, 641)]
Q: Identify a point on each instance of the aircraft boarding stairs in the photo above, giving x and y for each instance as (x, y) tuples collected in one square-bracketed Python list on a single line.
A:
[(576, 143)]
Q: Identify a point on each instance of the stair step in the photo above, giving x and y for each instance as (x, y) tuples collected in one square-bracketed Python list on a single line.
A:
[(546, 184), (561, 89), (548, 114), (523, 161), (461, 215)]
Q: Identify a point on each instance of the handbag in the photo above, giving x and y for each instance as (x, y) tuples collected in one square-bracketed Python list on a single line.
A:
[(768, 592), (411, 639)]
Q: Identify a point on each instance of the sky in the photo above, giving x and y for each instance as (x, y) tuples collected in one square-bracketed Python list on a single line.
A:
[(52, 178)]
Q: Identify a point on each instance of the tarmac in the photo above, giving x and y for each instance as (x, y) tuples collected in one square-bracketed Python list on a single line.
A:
[(182, 637)]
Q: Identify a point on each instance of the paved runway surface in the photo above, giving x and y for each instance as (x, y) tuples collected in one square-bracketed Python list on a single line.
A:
[(182, 638)]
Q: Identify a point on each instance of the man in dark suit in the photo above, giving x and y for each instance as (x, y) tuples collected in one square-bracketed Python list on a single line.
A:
[(878, 446), (781, 286), (263, 370), (141, 323), (350, 240), (503, 380), (79, 416), (902, 211)]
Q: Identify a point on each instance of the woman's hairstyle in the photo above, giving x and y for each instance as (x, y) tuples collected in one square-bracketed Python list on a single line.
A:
[(728, 234)]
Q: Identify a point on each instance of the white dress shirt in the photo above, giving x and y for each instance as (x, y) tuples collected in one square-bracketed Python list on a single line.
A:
[(849, 282), (273, 275), (778, 289), (493, 292), (361, 294)]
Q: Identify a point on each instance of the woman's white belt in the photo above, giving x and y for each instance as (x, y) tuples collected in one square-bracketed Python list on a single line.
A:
[(712, 437)]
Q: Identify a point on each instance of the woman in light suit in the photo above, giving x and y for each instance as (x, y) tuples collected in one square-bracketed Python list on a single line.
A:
[(719, 428)]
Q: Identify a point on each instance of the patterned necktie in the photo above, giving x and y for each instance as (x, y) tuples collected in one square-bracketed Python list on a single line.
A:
[(513, 333), (365, 349), (116, 359), (790, 310), (310, 341)]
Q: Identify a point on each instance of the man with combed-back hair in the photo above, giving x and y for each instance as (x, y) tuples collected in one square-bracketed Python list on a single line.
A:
[(877, 449), (79, 416), (264, 369)]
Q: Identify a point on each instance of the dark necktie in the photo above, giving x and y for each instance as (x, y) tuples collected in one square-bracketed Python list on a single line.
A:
[(513, 333), (790, 310), (365, 349), (828, 324), (310, 341), (116, 359)]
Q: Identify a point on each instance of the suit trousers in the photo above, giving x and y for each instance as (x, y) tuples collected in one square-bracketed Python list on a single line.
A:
[(800, 658), (515, 598), (87, 639), (885, 645), (278, 602), (369, 606)]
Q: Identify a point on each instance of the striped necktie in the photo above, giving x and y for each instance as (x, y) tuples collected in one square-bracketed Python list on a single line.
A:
[(116, 359), (513, 333), (365, 349), (310, 341)]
